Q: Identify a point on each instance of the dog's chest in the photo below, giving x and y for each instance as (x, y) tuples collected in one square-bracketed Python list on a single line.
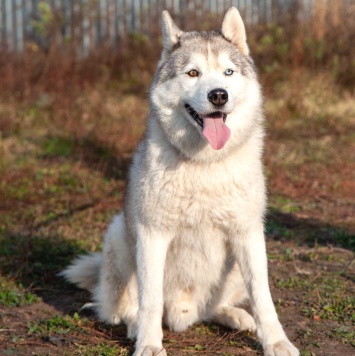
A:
[(195, 198)]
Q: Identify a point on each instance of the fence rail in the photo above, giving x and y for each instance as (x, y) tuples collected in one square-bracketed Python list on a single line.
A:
[(88, 23)]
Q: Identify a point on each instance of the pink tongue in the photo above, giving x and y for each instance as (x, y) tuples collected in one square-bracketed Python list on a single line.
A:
[(215, 131)]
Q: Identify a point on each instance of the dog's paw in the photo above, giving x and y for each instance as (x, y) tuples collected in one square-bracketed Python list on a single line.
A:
[(281, 348), (150, 351), (246, 321), (235, 318)]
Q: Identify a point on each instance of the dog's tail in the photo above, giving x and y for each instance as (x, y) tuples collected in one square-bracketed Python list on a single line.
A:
[(84, 271)]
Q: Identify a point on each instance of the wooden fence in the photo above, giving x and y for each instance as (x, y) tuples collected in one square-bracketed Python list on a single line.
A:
[(89, 23)]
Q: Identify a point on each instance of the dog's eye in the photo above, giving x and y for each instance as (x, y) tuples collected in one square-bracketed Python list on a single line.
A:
[(229, 72), (193, 73)]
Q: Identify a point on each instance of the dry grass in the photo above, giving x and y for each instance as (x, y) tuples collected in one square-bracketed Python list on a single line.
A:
[(69, 126), (58, 111), (320, 40)]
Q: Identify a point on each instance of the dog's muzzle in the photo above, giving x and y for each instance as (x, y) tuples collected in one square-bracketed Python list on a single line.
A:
[(214, 129), (198, 118)]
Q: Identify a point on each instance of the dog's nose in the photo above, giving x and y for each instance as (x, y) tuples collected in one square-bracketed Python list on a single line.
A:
[(218, 96)]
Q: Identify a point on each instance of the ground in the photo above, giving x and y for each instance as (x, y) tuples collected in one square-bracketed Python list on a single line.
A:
[(62, 178)]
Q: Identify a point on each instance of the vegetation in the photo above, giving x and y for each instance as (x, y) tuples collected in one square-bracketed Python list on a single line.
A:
[(68, 127), (12, 295)]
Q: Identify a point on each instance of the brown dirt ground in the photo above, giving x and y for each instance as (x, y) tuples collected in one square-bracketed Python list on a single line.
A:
[(287, 260)]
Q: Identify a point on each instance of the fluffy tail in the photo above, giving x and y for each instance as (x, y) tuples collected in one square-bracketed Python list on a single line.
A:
[(84, 271)]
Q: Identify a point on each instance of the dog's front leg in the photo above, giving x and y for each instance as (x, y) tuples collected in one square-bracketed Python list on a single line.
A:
[(251, 254), (151, 252)]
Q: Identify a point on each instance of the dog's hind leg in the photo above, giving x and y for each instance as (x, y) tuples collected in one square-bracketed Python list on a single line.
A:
[(231, 294), (234, 318), (116, 294)]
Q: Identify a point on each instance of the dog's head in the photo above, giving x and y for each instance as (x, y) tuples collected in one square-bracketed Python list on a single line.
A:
[(205, 94)]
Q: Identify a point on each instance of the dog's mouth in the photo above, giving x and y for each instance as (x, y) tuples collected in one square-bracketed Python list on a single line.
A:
[(213, 126), (199, 118)]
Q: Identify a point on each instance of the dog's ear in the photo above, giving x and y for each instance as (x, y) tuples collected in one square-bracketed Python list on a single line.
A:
[(233, 30), (171, 33)]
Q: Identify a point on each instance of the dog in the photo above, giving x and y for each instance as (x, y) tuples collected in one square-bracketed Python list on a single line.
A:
[(189, 244)]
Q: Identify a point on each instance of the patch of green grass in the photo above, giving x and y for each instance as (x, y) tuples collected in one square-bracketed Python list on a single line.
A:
[(19, 190), (293, 282), (12, 295), (58, 179), (205, 329), (11, 351), (281, 225), (309, 339), (327, 300), (337, 308), (102, 349), (199, 347), (307, 353), (286, 205), (57, 325), (325, 297), (57, 147), (286, 255), (236, 344), (278, 229), (35, 260), (38, 193), (345, 334), (345, 239)]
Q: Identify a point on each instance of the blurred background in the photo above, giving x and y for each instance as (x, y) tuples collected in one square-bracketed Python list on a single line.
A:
[(74, 78)]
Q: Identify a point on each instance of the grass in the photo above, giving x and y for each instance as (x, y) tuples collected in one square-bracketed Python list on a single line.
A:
[(56, 325), (345, 333), (102, 349), (34, 260), (64, 151), (15, 295), (57, 147), (61, 191), (286, 227), (331, 305), (62, 186), (326, 298)]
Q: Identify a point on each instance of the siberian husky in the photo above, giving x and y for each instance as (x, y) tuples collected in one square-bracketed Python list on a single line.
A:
[(189, 244)]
